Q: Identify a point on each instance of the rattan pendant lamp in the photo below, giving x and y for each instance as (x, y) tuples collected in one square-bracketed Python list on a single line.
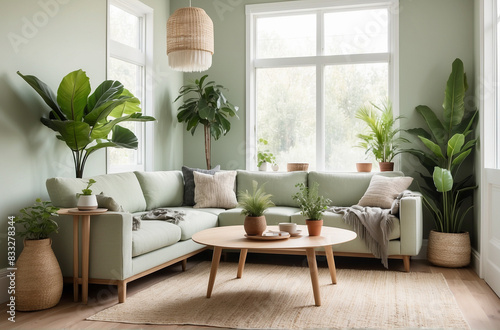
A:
[(190, 40)]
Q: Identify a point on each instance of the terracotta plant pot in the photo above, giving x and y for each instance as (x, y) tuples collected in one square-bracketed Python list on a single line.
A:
[(449, 249), (386, 166), (314, 227), (255, 226), (364, 167), (292, 167), (39, 280)]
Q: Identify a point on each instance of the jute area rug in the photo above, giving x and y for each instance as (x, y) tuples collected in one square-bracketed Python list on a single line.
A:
[(280, 297)]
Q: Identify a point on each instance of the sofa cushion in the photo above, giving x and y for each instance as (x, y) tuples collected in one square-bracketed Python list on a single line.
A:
[(187, 172), (280, 185), (344, 189), (215, 190), (161, 188), (382, 191), (194, 221), (153, 235), (124, 188), (335, 220), (274, 215)]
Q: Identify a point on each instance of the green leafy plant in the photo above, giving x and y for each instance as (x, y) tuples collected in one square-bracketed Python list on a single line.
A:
[(382, 140), (255, 203), (88, 191), (265, 156), (311, 204), (36, 220), (446, 146), (209, 107), (83, 120)]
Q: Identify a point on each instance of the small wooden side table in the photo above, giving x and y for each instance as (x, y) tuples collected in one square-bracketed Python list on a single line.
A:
[(76, 213)]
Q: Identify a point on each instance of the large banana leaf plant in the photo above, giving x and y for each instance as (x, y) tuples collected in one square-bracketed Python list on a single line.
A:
[(447, 143), (209, 107), (83, 120)]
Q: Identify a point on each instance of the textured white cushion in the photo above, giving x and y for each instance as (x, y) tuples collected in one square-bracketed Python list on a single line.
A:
[(383, 190), (215, 190)]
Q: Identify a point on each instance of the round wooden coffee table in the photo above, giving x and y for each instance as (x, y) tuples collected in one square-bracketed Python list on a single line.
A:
[(233, 237)]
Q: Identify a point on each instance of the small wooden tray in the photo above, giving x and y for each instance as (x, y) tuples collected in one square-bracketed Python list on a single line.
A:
[(267, 238)]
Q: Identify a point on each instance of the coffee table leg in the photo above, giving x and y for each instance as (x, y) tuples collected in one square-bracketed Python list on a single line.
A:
[(213, 270), (331, 263), (241, 264), (313, 268)]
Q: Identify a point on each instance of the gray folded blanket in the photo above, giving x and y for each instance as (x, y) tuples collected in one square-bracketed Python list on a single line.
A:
[(161, 213), (372, 224)]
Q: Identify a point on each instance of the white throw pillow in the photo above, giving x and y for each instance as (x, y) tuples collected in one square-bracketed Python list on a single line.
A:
[(215, 190), (383, 190)]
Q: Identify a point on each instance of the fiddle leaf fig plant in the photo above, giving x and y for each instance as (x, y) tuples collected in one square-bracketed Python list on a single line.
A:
[(84, 120), (208, 107)]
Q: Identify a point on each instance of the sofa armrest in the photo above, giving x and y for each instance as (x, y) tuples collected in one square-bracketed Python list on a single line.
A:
[(410, 218), (110, 245)]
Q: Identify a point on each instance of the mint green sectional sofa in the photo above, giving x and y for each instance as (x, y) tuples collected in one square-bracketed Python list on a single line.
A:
[(119, 255)]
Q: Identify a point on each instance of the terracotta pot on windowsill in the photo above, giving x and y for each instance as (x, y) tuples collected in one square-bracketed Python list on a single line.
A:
[(386, 166), (364, 167)]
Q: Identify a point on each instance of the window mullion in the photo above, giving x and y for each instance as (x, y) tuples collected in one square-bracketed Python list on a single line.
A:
[(320, 96)]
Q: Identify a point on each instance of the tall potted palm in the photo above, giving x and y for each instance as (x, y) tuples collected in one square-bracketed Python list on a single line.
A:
[(83, 120), (447, 142), (383, 139), (208, 107)]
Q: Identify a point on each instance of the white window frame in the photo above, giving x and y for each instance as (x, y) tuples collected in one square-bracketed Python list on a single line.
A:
[(319, 61), (144, 58)]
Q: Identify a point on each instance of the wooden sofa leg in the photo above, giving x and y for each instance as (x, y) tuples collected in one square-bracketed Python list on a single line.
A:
[(406, 263), (184, 264), (122, 291)]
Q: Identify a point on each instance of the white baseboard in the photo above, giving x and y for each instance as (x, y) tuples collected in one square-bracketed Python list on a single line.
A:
[(4, 284)]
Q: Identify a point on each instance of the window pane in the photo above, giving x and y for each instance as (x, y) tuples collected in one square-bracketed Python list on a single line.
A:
[(286, 36), (124, 27), (356, 32), (347, 87), (129, 74), (286, 113)]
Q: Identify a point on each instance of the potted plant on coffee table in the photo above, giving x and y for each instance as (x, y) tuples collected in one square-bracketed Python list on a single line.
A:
[(86, 200), (39, 280), (312, 206), (383, 139), (447, 141), (253, 205)]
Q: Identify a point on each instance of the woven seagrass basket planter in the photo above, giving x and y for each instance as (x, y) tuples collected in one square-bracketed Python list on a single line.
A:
[(39, 280), (449, 249), (292, 167)]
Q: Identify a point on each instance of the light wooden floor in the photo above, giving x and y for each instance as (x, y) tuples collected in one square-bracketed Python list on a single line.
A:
[(479, 304)]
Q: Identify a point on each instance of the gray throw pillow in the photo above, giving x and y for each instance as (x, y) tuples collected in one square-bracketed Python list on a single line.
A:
[(109, 203), (187, 172)]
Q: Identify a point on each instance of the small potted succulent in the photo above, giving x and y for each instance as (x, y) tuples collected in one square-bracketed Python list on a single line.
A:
[(39, 280), (86, 200), (265, 157), (253, 206), (312, 206)]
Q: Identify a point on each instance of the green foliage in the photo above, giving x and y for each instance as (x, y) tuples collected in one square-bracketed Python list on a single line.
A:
[(265, 156), (209, 107), (254, 204), (83, 120), (445, 149), (311, 204), (88, 191), (382, 140), (36, 220)]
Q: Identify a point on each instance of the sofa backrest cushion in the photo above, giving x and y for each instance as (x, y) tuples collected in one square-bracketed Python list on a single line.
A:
[(161, 188), (124, 188), (345, 189), (280, 185)]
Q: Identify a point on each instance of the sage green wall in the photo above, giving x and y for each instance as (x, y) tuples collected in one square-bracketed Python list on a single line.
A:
[(432, 33), (55, 37)]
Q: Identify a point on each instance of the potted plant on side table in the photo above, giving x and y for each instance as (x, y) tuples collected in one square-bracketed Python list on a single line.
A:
[(312, 206), (448, 141), (382, 140), (253, 206), (39, 280), (86, 200)]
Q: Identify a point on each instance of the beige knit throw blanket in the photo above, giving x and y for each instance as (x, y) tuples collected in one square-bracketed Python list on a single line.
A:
[(372, 224)]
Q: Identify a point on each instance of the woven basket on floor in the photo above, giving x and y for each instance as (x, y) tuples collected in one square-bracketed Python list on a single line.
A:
[(291, 167), (39, 280), (448, 249)]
